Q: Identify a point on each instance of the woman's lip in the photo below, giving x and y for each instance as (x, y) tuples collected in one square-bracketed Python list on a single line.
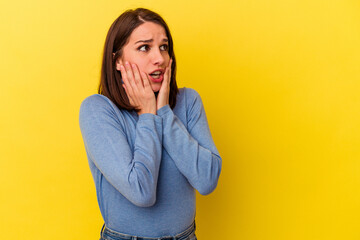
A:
[(160, 70), (156, 80)]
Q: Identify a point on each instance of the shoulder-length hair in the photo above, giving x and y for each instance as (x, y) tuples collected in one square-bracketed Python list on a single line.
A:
[(118, 35)]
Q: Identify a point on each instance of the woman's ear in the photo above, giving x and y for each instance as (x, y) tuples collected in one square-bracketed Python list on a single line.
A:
[(118, 63)]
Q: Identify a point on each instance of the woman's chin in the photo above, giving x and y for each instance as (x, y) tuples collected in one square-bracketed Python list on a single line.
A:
[(156, 87)]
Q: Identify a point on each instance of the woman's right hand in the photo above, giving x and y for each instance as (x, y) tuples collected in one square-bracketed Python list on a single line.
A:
[(138, 89)]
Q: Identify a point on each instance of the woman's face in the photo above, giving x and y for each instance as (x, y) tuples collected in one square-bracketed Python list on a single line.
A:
[(147, 47)]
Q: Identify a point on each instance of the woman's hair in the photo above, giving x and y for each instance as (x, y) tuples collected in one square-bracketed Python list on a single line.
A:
[(117, 37)]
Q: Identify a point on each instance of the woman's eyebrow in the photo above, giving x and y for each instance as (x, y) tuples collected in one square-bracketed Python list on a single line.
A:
[(150, 40), (144, 41)]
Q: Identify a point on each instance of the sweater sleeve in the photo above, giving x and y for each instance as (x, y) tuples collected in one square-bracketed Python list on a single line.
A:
[(133, 172), (192, 148)]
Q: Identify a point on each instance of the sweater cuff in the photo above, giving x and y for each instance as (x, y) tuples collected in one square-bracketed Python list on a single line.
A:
[(150, 116), (164, 110)]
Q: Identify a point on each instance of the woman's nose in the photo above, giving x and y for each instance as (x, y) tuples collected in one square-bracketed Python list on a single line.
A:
[(157, 57)]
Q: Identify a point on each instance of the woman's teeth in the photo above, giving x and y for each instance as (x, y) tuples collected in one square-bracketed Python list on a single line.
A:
[(156, 74)]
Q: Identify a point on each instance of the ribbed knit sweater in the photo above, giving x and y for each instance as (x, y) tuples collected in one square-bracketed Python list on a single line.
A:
[(146, 168)]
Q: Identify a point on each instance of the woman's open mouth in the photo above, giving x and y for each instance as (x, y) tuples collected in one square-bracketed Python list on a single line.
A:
[(156, 76)]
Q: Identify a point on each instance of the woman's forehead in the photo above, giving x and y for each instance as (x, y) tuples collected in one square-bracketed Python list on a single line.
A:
[(148, 31)]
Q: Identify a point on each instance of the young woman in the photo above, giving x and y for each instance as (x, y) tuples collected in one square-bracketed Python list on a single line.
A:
[(148, 143)]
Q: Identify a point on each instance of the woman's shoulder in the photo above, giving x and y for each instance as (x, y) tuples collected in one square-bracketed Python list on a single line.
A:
[(98, 110), (97, 102), (98, 105), (188, 94), (189, 97)]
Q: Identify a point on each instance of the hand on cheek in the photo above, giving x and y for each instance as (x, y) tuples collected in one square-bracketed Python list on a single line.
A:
[(138, 88), (164, 92)]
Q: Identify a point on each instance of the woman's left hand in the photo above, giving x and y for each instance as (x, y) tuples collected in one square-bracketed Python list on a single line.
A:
[(163, 96)]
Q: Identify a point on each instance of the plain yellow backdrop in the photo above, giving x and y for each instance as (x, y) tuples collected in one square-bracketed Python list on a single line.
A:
[(280, 81)]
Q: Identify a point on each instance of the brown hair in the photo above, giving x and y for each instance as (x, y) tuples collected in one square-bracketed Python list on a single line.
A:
[(118, 35)]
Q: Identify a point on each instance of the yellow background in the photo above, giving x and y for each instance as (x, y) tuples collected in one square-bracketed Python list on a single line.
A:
[(280, 84)]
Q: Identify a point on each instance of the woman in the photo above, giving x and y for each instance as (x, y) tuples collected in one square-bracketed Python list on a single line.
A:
[(148, 143)]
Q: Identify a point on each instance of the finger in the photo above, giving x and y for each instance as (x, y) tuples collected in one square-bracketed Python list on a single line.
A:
[(167, 74), (138, 80), (129, 96), (125, 79), (130, 76), (128, 89), (146, 80), (170, 65)]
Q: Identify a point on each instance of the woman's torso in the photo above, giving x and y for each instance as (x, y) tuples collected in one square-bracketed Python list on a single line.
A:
[(174, 209)]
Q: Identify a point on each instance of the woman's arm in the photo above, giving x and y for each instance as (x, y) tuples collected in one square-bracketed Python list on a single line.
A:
[(133, 172), (192, 148)]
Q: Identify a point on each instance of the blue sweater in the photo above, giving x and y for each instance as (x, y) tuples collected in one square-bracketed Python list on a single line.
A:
[(146, 167)]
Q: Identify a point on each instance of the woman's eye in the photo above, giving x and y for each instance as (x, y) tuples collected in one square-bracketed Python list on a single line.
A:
[(144, 48), (164, 47)]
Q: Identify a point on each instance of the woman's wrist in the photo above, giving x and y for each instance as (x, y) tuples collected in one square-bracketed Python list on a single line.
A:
[(160, 105), (147, 111)]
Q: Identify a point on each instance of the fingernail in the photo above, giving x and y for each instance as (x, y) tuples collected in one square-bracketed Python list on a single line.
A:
[(127, 63)]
